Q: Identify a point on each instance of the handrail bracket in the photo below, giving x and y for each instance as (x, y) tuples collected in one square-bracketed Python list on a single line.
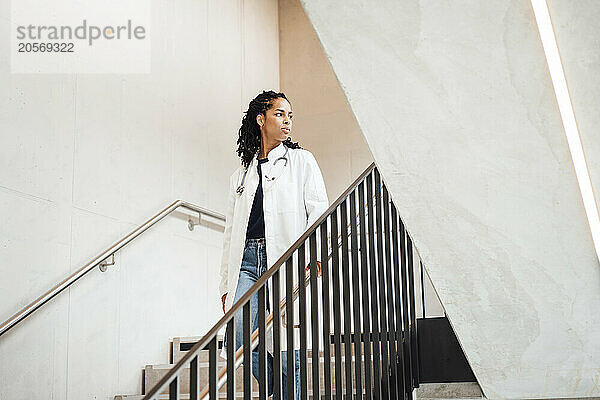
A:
[(103, 266)]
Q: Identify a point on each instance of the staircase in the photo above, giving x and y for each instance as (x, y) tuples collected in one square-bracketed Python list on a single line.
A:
[(152, 374), (362, 308), (366, 290)]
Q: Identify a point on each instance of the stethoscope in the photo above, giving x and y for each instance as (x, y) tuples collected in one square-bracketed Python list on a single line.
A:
[(241, 186)]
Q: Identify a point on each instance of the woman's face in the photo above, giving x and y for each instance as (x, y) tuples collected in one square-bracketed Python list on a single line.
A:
[(277, 124)]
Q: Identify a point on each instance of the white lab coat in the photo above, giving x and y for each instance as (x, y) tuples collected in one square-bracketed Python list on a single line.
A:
[(291, 203)]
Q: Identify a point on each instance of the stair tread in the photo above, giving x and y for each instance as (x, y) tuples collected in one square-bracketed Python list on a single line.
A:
[(184, 396), (190, 339), (458, 390)]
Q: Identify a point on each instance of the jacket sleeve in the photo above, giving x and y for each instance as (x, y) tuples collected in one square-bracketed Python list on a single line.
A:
[(315, 196), (315, 193), (227, 235)]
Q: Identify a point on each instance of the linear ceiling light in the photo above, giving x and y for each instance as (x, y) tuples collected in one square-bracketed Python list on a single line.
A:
[(544, 24)]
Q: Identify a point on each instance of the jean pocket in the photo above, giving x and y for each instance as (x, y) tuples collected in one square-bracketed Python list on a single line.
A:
[(249, 256)]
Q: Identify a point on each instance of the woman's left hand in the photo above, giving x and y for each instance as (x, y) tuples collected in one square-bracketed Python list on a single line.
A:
[(319, 273)]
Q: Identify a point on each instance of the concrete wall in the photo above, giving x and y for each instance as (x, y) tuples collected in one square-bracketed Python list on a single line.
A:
[(323, 120), (86, 158), (457, 107)]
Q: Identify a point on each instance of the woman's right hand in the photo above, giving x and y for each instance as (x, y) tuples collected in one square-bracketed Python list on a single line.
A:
[(223, 301)]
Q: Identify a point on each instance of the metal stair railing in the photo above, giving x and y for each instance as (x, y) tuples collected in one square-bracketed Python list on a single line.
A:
[(382, 313), (100, 259)]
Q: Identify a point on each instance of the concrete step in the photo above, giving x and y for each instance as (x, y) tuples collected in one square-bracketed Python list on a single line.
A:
[(154, 373), (440, 391), (238, 395), (185, 396), (181, 345)]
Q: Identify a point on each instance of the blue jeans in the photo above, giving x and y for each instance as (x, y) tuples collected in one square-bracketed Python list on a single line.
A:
[(254, 264)]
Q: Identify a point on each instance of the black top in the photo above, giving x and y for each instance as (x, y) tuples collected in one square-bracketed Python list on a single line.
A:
[(256, 222)]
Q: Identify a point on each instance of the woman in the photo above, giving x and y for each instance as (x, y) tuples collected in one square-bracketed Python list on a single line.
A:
[(274, 196)]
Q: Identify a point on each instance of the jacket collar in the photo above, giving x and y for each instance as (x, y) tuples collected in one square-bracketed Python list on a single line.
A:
[(275, 153)]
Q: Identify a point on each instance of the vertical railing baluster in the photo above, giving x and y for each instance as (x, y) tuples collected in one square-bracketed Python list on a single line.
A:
[(289, 317), (373, 279), (326, 314), (390, 293), (231, 358), (356, 297), (382, 295), (276, 338), (408, 381), (346, 297), (413, 324), (314, 307), (335, 275), (262, 345), (247, 352), (212, 369), (367, 339), (174, 388), (194, 378), (302, 311), (397, 272)]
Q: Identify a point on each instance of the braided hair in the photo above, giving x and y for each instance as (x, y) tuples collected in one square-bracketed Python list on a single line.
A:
[(249, 133)]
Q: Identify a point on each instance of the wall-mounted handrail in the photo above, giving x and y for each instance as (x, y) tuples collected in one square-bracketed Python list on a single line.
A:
[(94, 262)]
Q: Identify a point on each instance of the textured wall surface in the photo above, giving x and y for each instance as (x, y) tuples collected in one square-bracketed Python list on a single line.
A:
[(86, 158), (456, 104), (323, 120)]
